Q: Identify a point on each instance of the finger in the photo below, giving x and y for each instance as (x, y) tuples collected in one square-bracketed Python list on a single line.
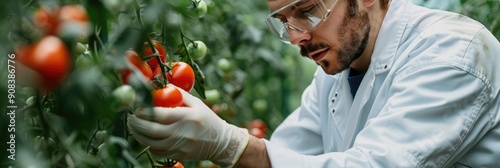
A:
[(155, 144), (162, 115), (188, 99), (150, 129)]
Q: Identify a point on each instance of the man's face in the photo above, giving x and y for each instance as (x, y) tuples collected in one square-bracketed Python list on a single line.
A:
[(333, 43)]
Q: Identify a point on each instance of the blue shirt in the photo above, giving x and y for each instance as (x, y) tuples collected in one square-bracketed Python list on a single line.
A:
[(355, 79)]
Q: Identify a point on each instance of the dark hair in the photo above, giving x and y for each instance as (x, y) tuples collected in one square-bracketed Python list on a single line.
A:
[(384, 4)]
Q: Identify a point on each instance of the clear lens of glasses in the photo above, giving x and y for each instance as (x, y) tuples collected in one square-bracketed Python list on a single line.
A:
[(300, 15)]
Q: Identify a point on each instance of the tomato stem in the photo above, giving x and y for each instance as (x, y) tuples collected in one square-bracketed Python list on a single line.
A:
[(185, 46), (150, 158), (43, 120), (142, 152), (89, 142), (150, 42)]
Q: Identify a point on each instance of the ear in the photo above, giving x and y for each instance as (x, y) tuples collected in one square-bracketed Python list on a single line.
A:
[(369, 3)]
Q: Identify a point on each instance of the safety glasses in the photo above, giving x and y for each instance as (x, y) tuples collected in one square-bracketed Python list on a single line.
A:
[(299, 15)]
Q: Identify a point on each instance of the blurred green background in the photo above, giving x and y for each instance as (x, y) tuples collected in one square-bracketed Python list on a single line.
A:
[(249, 74)]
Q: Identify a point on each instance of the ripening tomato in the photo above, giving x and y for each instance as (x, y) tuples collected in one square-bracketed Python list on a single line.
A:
[(72, 13), (135, 60), (51, 19), (182, 75), (44, 17), (153, 63), (49, 57), (169, 96)]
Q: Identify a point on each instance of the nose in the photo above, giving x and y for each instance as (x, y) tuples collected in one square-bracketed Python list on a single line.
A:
[(297, 37)]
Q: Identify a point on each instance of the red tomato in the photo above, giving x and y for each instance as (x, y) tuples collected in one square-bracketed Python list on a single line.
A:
[(51, 20), (135, 60), (169, 96), (49, 57), (44, 17), (176, 165), (153, 63), (259, 124), (257, 132), (72, 13), (182, 76)]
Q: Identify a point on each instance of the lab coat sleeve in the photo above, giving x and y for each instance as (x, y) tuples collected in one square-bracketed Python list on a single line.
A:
[(435, 110), (301, 131)]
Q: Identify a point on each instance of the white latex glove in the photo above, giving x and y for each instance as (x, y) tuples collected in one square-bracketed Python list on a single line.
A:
[(194, 132)]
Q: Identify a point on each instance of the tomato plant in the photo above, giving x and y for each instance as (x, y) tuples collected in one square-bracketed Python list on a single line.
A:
[(153, 62), (49, 57), (94, 97), (168, 96)]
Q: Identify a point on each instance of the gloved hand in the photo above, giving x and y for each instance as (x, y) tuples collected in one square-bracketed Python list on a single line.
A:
[(194, 132)]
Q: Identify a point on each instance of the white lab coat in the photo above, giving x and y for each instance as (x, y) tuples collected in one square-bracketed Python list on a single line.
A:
[(430, 98)]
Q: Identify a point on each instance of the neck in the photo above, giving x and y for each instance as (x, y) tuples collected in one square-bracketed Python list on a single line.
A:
[(376, 16)]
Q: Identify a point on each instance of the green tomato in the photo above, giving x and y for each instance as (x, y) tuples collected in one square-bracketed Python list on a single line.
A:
[(201, 9), (224, 65), (197, 50), (260, 105), (125, 95), (80, 48), (30, 101), (101, 136), (82, 61), (212, 96)]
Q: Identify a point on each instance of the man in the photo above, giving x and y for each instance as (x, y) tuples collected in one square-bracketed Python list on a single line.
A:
[(399, 86)]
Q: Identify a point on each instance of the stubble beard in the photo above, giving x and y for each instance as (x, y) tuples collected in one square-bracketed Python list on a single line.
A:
[(354, 33)]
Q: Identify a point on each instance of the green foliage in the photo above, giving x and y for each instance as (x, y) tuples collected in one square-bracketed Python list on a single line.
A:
[(63, 127), (260, 77), (484, 11)]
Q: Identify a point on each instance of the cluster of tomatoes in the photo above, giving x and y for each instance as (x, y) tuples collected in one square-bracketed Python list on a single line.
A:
[(154, 70), (48, 60)]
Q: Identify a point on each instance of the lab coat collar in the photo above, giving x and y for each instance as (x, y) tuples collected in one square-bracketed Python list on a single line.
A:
[(390, 34)]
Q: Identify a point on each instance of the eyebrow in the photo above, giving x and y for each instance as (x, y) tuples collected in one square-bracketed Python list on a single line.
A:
[(299, 3), (293, 7)]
